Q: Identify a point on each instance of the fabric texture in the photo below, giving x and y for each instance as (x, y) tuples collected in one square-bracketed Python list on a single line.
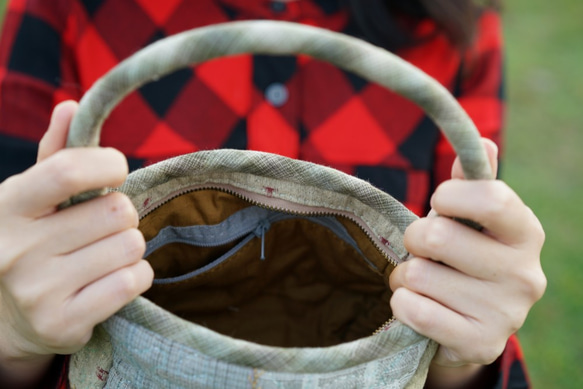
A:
[(52, 51), (144, 346), (158, 361)]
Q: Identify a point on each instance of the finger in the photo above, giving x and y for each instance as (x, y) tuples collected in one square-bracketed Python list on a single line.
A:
[(448, 328), (41, 188), (454, 244), (99, 218), (492, 204), (445, 285), (491, 152), (110, 254), (101, 299), (55, 138)]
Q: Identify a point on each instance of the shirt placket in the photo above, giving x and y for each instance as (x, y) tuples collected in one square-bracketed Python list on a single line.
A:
[(273, 121)]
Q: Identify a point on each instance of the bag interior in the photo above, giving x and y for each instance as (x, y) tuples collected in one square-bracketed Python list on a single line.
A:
[(312, 289)]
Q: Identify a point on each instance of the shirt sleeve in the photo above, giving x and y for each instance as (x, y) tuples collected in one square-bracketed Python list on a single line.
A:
[(35, 74), (57, 375), (512, 372), (479, 90)]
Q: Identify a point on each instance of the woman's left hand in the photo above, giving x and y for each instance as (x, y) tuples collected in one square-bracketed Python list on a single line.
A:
[(470, 290)]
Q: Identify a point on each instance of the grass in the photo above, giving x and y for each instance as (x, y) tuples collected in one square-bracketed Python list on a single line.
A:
[(543, 164)]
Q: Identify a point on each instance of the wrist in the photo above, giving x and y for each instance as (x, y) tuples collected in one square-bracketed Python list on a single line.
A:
[(18, 368), (23, 372), (459, 377)]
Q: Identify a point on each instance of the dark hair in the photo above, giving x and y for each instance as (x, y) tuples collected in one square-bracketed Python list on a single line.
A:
[(388, 23)]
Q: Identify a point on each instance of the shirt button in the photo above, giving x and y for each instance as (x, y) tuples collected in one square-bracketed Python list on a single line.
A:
[(278, 6), (277, 94)]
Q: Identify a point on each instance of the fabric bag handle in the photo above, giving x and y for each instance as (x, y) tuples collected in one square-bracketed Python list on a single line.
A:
[(278, 38)]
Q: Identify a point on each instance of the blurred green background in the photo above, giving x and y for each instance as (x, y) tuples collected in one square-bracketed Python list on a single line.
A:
[(544, 164)]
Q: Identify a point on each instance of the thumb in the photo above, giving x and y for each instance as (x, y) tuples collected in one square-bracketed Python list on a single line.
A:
[(491, 151), (55, 138)]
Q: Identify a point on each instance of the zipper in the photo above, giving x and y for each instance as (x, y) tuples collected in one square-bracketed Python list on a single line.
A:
[(385, 327), (248, 223), (285, 206), (260, 231)]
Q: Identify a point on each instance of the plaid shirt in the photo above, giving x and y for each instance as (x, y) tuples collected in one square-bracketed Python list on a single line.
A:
[(293, 105)]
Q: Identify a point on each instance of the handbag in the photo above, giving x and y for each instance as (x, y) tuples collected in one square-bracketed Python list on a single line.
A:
[(270, 272)]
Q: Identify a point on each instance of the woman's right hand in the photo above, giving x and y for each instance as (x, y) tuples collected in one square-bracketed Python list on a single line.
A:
[(63, 272)]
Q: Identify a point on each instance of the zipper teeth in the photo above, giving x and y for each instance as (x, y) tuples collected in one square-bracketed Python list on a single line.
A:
[(385, 326), (234, 192), (258, 203)]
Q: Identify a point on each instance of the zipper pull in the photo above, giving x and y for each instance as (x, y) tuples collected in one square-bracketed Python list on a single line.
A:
[(260, 233)]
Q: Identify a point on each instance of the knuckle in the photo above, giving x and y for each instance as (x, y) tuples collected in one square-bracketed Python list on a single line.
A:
[(437, 233), (64, 170), (400, 304), (429, 234), (540, 287), (49, 328), (528, 282), (515, 318), (74, 339), (10, 254), (118, 159), (533, 284), (84, 337), (134, 244), (28, 298), (5, 188), (17, 243), (120, 211), (46, 332), (511, 317), (501, 199), (423, 319), (528, 288), (397, 300), (487, 353), (128, 287), (411, 234), (538, 234), (487, 347), (10, 194), (414, 275), (117, 166)]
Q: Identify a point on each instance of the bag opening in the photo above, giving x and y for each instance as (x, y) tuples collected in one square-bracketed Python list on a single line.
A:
[(265, 276)]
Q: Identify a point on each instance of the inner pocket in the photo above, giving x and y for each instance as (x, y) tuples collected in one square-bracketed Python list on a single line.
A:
[(236, 232), (271, 277)]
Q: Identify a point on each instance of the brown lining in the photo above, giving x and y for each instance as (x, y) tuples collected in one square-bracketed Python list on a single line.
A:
[(312, 290)]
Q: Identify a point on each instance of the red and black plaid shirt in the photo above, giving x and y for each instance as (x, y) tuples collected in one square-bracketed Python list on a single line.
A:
[(295, 106)]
